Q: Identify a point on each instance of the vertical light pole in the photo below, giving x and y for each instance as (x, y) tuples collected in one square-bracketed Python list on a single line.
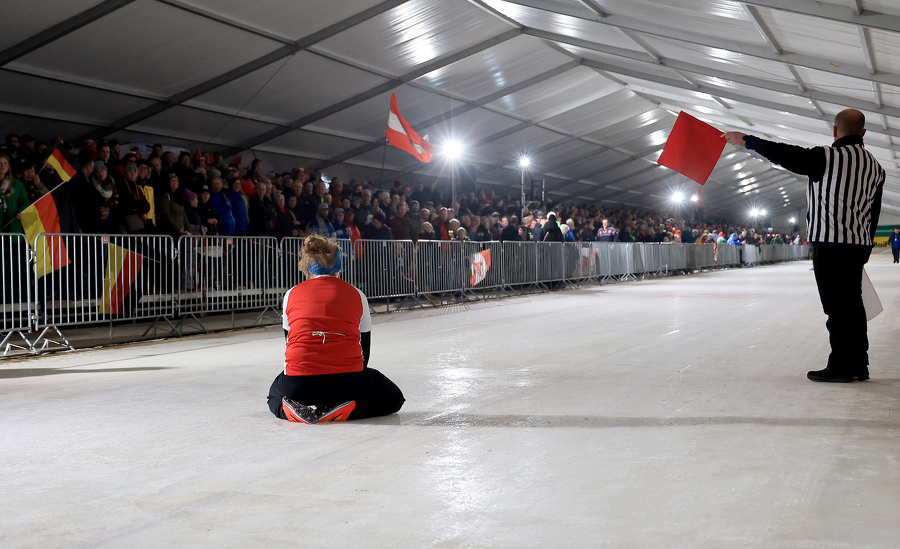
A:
[(452, 151), (524, 162)]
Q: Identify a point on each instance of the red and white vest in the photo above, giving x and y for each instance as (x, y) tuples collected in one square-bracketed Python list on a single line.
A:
[(323, 317)]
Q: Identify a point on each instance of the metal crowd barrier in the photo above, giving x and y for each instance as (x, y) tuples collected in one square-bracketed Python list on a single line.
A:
[(17, 299), (227, 274), (92, 278), (67, 279)]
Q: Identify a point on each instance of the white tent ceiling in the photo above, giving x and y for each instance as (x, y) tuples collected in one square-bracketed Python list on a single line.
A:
[(589, 89)]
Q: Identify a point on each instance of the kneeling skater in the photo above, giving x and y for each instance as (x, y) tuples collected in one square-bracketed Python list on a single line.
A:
[(327, 328)]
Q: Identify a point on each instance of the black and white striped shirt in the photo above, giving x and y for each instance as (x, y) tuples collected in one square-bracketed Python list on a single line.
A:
[(844, 190)]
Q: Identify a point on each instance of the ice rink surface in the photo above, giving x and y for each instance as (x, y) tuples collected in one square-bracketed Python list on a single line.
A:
[(672, 412)]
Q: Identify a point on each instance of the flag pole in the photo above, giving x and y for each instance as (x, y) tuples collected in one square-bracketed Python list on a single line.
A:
[(383, 154)]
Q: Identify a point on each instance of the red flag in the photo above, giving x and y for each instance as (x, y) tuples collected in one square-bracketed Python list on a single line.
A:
[(401, 135), (480, 264), (693, 148)]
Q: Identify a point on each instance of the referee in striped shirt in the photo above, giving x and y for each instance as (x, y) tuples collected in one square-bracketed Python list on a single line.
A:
[(844, 202)]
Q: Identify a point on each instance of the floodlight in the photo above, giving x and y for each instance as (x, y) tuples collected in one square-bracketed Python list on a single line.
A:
[(453, 149), (792, 220), (524, 162), (677, 197), (695, 198)]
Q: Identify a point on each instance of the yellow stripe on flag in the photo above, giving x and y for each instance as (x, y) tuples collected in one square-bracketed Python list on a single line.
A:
[(114, 264), (62, 167)]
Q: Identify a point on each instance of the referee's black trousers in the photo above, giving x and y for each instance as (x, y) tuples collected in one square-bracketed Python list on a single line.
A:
[(839, 279)]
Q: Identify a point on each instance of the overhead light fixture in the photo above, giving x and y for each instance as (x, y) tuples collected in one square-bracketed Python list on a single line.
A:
[(452, 150), (524, 162)]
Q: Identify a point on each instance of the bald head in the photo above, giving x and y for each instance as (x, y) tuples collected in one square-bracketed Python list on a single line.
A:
[(849, 122)]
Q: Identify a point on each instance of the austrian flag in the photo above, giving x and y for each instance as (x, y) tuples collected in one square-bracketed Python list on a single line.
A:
[(401, 135), (481, 264)]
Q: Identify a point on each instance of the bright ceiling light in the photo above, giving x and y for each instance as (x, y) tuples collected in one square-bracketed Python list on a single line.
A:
[(524, 162), (695, 198), (677, 197), (792, 220), (452, 149)]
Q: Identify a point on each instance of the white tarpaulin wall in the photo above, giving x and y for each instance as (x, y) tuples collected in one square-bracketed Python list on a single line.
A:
[(589, 89)]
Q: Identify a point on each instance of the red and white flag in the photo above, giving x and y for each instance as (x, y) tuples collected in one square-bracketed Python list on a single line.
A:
[(401, 135), (481, 263)]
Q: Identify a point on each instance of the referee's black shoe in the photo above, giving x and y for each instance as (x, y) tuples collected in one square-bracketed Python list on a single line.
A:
[(831, 375)]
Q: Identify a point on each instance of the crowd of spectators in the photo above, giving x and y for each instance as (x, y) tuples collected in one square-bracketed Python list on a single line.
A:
[(120, 191)]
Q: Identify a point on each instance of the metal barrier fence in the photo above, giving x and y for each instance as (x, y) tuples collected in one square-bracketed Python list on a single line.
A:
[(86, 279), (227, 274), (17, 298), (66, 279)]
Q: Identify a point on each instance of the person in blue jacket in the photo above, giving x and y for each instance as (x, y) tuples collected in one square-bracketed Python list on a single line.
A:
[(238, 209), (221, 207), (895, 244)]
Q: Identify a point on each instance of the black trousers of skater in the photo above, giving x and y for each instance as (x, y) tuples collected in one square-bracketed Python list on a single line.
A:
[(374, 393), (896, 252), (839, 278)]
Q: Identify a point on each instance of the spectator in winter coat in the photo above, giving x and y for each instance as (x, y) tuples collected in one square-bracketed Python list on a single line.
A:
[(221, 207), (262, 212), (551, 232), (98, 203), (13, 198), (320, 224), (173, 220), (132, 202), (340, 228), (238, 208), (207, 217), (377, 230)]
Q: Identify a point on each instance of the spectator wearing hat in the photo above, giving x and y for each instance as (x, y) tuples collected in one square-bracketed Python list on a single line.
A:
[(550, 232), (221, 208), (238, 208), (192, 210), (171, 214), (207, 216), (440, 223), (377, 230), (427, 232), (320, 224), (132, 202), (337, 221)]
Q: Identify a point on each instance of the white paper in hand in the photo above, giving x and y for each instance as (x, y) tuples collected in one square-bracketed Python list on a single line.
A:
[(870, 298)]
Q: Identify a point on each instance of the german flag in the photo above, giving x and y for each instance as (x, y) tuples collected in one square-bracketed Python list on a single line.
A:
[(59, 163), (122, 269), (52, 213)]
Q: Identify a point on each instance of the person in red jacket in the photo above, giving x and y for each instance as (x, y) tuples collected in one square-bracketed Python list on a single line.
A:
[(327, 328)]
